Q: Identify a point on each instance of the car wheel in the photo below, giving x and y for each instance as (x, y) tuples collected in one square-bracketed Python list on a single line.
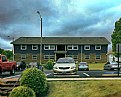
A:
[(0, 71), (12, 72)]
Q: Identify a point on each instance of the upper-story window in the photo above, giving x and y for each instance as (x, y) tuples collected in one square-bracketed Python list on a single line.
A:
[(34, 47), (23, 47), (49, 47), (72, 47), (97, 47), (87, 47)]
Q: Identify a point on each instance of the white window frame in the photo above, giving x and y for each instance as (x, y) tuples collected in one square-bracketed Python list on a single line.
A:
[(96, 46), (23, 56), (23, 47), (75, 57), (49, 47), (85, 47), (34, 57), (34, 47), (46, 46), (87, 57), (52, 47), (46, 57), (96, 57), (49, 57), (72, 47)]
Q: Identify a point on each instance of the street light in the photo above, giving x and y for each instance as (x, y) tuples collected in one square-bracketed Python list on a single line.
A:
[(41, 37), (12, 46)]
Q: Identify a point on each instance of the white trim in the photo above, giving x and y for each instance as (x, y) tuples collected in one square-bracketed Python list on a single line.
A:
[(72, 47), (23, 56), (34, 57), (96, 57), (85, 47), (97, 46), (34, 46), (49, 57), (86, 57), (49, 47), (23, 47)]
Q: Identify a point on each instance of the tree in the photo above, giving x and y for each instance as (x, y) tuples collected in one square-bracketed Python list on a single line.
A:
[(1, 50), (116, 36)]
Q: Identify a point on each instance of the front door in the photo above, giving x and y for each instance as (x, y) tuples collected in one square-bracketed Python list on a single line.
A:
[(59, 56)]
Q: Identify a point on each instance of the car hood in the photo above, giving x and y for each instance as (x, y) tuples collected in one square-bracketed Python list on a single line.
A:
[(64, 65)]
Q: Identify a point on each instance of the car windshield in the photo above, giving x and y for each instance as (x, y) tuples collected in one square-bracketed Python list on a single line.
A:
[(65, 60), (82, 64)]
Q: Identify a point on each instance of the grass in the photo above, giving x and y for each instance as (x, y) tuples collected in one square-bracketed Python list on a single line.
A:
[(84, 89), (96, 66)]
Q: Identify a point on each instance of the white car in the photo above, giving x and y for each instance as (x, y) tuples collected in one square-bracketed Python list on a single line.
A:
[(111, 66), (65, 66), (83, 66)]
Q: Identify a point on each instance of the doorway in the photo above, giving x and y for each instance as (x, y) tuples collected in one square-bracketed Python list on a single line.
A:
[(59, 56)]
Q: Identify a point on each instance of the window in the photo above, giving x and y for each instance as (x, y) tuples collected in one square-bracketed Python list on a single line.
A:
[(75, 57), (23, 56), (52, 47), (49, 47), (72, 47), (48, 57), (97, 47), (98, 57), (46, 47), (87, 47), (4, 59), (34, 47), (34, 57), (23, 47), (87, 56)]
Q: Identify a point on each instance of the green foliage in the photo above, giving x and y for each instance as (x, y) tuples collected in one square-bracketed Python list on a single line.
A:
[(22, 91), (35, 79), (8, 53), (1, 50), (116, 36), (49, 65)]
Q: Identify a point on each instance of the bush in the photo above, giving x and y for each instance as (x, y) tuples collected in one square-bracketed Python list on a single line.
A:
[(35, 79), (22, 91), (49, 65)]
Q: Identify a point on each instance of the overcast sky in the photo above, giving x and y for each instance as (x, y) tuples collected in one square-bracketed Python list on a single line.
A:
[(19, 18)]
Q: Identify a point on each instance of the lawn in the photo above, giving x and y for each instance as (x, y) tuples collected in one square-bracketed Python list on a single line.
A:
[(96, 66), (84, 89)]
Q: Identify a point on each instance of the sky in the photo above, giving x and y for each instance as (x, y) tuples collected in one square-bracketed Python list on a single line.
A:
[(82, 18)]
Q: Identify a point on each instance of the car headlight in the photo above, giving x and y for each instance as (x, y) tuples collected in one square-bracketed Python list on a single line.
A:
[(17, 65), (55, 67)]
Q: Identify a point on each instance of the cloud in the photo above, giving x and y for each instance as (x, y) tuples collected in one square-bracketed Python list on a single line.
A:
[(60, 18)]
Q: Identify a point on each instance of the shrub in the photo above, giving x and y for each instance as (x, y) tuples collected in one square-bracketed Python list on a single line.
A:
[(22, 91), (35, 79), (49, 65)]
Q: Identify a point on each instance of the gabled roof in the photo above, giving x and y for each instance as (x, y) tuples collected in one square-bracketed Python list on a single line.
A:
[(61, 40)]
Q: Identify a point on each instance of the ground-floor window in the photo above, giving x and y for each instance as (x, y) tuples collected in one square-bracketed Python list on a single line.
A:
[(87, 56), (23, 56), (97, 57), (75, 57), (48, 57), (34, 57)]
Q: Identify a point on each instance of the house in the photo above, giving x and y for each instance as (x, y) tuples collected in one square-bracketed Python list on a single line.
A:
[(111, 57), (89, 49)]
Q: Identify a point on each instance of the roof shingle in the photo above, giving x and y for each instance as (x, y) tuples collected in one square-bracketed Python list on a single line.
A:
[(61, 40)]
